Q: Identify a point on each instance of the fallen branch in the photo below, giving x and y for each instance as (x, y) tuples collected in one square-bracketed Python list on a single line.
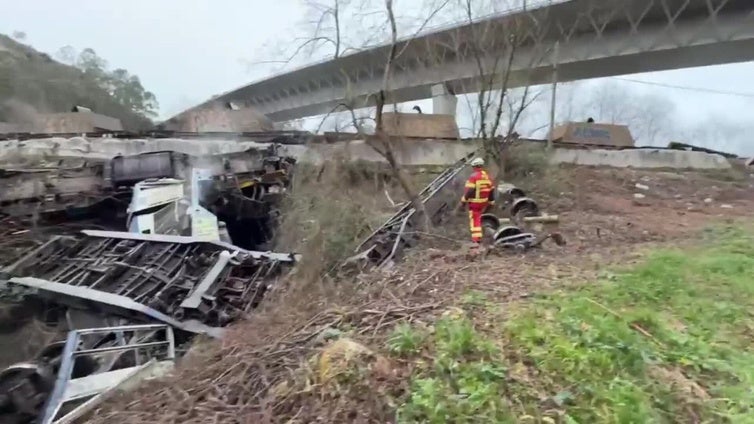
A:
[(635, 326)]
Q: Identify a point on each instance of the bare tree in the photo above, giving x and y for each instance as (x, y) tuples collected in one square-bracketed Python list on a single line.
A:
[(494, 48), (325, 19), (381, 141), (324, 32), (492, 45)]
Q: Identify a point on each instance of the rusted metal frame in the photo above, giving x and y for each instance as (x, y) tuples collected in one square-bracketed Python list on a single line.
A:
[(137, 281), (123, 306), (195, 298), (34, 254), (256, 283), (55, 401), (282, 257), (129, 257)]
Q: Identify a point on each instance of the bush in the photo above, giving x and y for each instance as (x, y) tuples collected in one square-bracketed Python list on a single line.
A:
[(330, 209), (527, 166), (524, 160)]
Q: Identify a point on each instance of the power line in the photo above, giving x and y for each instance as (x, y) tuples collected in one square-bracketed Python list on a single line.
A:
[(688, 88)]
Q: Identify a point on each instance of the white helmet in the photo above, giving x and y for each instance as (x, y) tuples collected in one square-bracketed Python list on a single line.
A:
[(477, 162)]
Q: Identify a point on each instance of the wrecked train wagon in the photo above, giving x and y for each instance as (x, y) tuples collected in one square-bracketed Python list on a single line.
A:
[(244, 192), (189, 283), (99, 281), (44, 173), (52, 185), (102, 282)]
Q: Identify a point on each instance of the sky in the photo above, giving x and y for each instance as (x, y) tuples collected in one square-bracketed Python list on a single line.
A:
[(185, 51)]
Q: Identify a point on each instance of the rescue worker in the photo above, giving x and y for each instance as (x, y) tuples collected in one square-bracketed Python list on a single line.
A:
[(478, 195)]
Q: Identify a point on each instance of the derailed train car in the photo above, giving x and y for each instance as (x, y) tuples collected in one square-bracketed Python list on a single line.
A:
[(191, 286), (120, 299)]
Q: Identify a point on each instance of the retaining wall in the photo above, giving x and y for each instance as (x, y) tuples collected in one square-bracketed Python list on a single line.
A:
[(641, 158), (411, 153)]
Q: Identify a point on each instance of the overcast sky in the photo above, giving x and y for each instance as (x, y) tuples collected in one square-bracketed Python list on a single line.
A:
[(188, 50)]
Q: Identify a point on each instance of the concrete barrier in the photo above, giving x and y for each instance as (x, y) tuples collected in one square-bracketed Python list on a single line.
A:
[(106, 148), (410, 152), (640, 158)]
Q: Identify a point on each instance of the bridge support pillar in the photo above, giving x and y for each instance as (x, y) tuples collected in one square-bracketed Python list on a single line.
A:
[(443, 100)]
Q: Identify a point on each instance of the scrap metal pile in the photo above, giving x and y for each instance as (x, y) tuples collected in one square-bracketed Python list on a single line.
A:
[(511, 233), (238, 186), (386, 244), (195, 285), (194, 258), (192, 286)]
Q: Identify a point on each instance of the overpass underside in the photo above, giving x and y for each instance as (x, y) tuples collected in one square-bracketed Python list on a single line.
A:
[(584, 38)]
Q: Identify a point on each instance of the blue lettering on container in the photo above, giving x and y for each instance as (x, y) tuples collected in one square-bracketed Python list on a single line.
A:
[(586, 132)]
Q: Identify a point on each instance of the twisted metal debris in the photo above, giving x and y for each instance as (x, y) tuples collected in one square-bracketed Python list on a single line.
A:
[(98, 280), (387, 242)]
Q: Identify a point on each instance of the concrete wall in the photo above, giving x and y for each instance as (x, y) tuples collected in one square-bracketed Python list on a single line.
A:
[(641, 158), (75, 122), (105, 148), (413, 152), (420, 125), (69, 122), (220, 118)]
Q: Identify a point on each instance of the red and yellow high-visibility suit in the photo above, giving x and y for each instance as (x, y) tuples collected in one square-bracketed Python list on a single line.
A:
[(478, 195)]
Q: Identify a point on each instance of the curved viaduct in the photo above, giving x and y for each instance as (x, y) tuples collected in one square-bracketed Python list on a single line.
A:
[(594, 38)]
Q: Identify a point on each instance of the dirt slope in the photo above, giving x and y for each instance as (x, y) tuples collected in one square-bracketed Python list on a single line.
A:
[(271, 369)]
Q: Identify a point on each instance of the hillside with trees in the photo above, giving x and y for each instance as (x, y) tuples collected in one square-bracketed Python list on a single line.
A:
[(33, 82)]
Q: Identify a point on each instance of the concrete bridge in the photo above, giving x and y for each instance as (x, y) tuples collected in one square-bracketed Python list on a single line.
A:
[(594, 38)]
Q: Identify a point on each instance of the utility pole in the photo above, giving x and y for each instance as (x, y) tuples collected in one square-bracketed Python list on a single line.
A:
[(553, 99)]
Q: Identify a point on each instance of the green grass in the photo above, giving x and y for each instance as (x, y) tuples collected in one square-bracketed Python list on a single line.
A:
[(670, 340), (463, 383), (405, 340)]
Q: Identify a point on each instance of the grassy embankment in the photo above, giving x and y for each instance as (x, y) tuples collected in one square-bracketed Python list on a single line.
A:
[(669, 340)]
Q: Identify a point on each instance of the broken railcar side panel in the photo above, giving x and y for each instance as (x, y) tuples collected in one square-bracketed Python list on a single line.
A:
[(26, 183), (150, 275), (289, 258), (36, 186), (65, 182), (110, 304), (44, 250), (127, 170)]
